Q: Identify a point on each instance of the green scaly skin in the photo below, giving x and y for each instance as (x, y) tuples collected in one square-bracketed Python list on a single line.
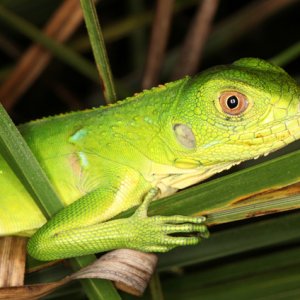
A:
[(143, 148)]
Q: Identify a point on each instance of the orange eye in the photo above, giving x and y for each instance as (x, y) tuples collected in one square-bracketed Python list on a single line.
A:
[(233, 103)]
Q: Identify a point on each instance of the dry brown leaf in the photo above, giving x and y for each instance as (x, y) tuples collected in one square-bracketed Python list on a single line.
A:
[(130, 270), (12, 260)]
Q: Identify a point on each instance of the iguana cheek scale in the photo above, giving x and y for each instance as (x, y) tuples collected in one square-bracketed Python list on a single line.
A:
[(103, 161)]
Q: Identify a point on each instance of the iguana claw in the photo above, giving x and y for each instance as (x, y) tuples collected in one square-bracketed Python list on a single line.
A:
[(162, 233)]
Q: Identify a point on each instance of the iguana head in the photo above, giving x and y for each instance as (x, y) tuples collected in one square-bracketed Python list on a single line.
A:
[(233, 113)]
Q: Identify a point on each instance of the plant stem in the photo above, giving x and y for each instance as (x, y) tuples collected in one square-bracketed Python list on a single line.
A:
[(287, 55), (99, 50)]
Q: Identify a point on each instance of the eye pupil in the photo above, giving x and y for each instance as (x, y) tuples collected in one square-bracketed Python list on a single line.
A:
[(232, 102)]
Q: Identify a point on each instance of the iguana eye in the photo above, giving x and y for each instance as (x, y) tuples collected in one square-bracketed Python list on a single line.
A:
[(233, 103)]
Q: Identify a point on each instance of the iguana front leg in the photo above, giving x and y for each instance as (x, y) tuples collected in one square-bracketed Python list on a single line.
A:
[(74, 231)]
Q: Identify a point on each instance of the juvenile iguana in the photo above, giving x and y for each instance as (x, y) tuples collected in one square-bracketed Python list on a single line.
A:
[(103, 161)]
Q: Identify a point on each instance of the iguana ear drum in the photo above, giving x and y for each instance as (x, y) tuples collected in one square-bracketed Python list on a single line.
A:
[(185, 136)]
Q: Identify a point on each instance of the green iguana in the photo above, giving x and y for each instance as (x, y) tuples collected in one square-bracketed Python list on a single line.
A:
[(103, 161)]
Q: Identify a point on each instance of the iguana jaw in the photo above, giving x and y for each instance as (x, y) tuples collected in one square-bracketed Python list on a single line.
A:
[(271, 136)]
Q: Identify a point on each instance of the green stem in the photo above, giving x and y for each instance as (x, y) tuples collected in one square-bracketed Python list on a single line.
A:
[(287, 55), (99, 50), (155, 287)]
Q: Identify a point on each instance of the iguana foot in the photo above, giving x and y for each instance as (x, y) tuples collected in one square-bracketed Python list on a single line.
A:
[(163, 233)]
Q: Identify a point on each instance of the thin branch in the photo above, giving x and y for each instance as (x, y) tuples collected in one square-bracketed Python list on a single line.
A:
[(65, 95), (36, 58), (9, 48), (195, 40), (159, 37)]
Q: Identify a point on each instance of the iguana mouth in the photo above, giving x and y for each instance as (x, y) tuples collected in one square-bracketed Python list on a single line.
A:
[(277, 133)]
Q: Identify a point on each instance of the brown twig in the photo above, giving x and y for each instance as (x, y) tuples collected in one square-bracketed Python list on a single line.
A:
[(9, 48), (159, 37), (192, 49), (66, 95), (60, 27)]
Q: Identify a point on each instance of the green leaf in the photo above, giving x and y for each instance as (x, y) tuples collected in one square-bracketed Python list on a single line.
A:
[(99, 50), (19, 156), (269, 275)]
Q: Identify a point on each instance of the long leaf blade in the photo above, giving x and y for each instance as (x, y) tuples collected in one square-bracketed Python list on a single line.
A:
[(25, 165)]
